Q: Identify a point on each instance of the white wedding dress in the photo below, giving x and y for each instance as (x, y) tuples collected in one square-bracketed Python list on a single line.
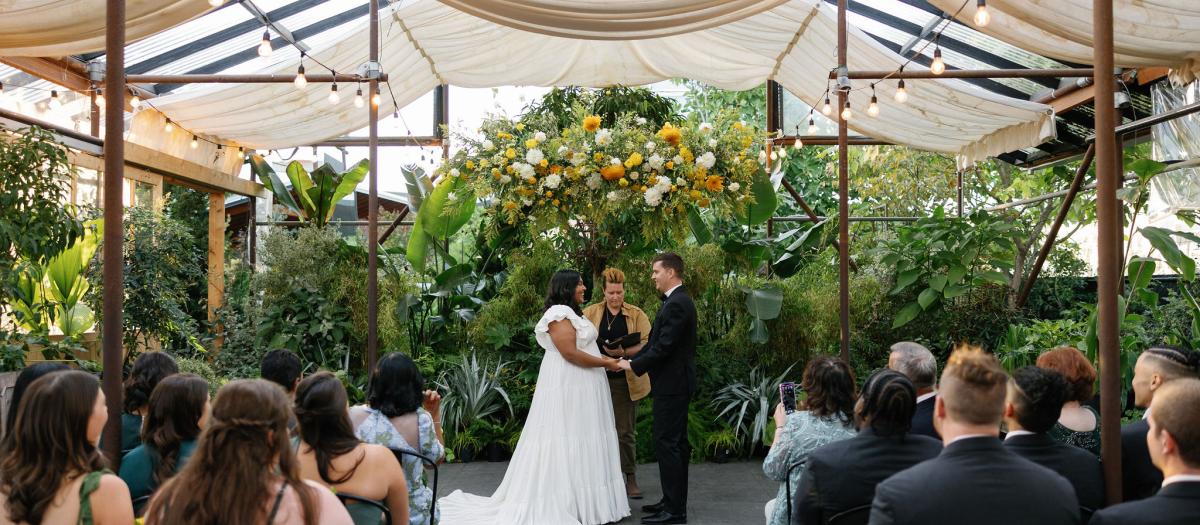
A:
[(566, 469)]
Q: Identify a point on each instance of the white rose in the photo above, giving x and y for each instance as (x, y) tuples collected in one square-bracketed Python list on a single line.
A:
[(534, 156), (634, 175), (552, 181), (505, 179), (540, 137), (705, 127), (526, 171), (734, 187), (488, 145), (594, 181), (641, 121), (678, 159), (706, 160), (712, 143), (614, 161), (655, 162), (603, 137), (653, 197)]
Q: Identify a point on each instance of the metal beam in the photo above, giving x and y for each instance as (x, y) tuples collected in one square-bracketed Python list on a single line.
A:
[(278, 27), (968, 73), (1052, 236), (362, 142), (113, 284), (832, 140), (843, 194), (66, 72), (373, 200), (243, 79), (395, 224), (819, 218)]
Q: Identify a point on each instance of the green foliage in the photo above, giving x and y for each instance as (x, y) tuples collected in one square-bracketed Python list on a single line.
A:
[(559, 105), (51, 294), (472, 392), (189, 208), (317, 194), (748, 406), (701, 102), (308, 323), (200, 367), (442, 214), (1023, 343)]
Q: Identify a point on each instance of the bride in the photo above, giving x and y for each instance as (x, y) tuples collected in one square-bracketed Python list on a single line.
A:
[(566, 469)]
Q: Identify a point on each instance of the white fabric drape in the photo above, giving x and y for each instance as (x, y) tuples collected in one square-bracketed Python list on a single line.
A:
[(1145, 32), (429, 43), (612, 19), (51, 28)]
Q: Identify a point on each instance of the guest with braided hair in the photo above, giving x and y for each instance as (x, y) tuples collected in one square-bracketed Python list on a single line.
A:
[(840, 477), (244, 471), (148, 369), (1157, 366)]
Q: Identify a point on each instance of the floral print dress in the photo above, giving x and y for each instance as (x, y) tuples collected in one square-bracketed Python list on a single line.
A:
[(802, 434), (377, 429)]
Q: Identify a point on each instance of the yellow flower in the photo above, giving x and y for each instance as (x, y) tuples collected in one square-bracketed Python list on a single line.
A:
[(686, 154), (598, 157), (591, 123), (738, 125), (483, 163), (531, 143), (635, 159), (556, 202), (695, 194), (714, 183), (549, 194), (509, 205), (544, 163), (541, 202), (508, 170), (746, 141), (670, 165), (670, 134), (510, 153), (705, 202), (531, 180), (611, 172), (470, 165), (673, 187), (503, 135), (520, 126), (623, 182)]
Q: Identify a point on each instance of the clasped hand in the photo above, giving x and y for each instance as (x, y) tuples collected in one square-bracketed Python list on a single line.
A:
[(615, 365)]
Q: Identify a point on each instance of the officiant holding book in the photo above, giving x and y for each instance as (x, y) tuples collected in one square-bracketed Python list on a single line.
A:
[(623, 331)]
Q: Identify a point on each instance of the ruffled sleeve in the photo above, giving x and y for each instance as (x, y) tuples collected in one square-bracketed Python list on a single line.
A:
[(559, 312)]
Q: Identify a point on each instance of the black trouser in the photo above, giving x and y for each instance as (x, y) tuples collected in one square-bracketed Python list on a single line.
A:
[(672, 450)]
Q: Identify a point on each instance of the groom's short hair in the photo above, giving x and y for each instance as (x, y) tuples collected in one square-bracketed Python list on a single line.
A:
[(672, 261)]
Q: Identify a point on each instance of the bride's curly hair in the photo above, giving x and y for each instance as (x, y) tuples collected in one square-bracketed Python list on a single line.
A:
[(562, 290)]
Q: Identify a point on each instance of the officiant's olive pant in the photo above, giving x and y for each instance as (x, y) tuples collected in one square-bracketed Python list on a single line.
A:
[(672, 450), (625, 412)]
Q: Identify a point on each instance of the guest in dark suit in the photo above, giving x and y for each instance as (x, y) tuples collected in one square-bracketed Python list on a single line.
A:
[(1035, 398), (670, 358), (840, 477), (918, 364), (1157, 366), (974, 480), (1174, 445)]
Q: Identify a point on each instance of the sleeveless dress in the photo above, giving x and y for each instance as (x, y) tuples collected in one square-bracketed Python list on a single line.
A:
[(566, 469), (378, 429)]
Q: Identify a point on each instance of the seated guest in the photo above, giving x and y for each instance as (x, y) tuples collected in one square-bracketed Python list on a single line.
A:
[(331, 455), (148, 369), (918, 364), (1035, 395), (1174, 444), (244, 471), (401, 415), (178, 410), (975, 479), (827, 415), (27, 376), (282, 367), (1079, 424), (841, 477), (50, 469), (1156, 367)]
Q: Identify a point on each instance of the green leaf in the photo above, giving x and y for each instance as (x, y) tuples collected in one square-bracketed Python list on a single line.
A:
[(993, 276), (954, 290), (272, 182), (302, 183), (75, 321), (906, 278), (764, 303), (927, 297), (700, 230), (955, 273), (418, 185), (348, 182), (1148, 298), (1140, 270), (418, 246), (906, 314), (321, 194), (765, 201), (452, 277), (937, 282), (1161, 240), (443, 217)]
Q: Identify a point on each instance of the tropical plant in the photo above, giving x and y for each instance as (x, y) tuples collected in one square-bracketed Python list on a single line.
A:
[(317, 194), (472, 391), (558, 106), (52, 294), (747, 406), (308, 323)]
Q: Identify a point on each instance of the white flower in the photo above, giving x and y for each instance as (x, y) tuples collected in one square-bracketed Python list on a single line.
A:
[(705, 127), (634, 175), (603, 137), (663, 184), (527, 202), (488, 145), (678, 159), (650, 146), (706, 160), (762, 157), (733, 187), (614, 196), (534, 156), (641, 121), (454, 172), (614, 161), (562, 150), (653, 197), (578, 159), (594, 181), (655, 162), (712, 143), (552, 181), (540, 137), (452, 197), (524, 170), (505, 179), (680, 181)]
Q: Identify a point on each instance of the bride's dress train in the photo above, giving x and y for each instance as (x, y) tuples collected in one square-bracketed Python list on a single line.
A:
[(566, 469)]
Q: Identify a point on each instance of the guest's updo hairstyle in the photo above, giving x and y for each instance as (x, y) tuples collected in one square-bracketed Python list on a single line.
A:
[(888, 403)]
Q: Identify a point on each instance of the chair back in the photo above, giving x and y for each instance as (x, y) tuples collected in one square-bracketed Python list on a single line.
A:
[(1085, 514), (856, 516), (364, 511), (429, 463), (140, 505), (787, 480)]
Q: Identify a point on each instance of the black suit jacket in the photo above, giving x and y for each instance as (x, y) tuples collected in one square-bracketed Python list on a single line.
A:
[(670, 353), (1139, 477), (922, 421), (1175, 504), (1079, 466), (975, 481), (842, 475)]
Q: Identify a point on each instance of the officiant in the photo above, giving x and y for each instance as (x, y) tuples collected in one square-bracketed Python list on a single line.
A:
[(624, 329)]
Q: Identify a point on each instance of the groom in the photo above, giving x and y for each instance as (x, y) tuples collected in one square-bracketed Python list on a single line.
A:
[(670, 358)]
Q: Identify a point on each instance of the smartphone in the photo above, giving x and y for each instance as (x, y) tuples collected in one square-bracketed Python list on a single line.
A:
[(787, 394)]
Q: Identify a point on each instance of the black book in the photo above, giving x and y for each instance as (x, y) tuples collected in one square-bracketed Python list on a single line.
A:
[(624, 342)]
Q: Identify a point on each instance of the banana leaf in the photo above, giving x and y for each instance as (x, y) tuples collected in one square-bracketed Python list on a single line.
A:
[(418, 185), (418, 245), (272, 182), (765, 201), (303, 184), (441, 217), (348, 181)]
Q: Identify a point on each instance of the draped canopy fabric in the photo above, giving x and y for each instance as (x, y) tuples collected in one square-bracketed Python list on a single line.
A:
[(50, 28), (1145, 32), (427, 43)]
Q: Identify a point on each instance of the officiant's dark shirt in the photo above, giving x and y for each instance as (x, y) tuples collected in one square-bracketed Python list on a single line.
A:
[(617, 330)]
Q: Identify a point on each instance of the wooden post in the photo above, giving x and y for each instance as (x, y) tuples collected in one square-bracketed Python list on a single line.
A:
[(216, 262)]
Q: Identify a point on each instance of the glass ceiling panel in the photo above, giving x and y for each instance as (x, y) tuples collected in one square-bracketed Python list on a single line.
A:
[(183, 34)]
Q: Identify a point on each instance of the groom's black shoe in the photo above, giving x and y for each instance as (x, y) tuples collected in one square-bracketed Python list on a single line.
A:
[(665, 517), (654, 508)]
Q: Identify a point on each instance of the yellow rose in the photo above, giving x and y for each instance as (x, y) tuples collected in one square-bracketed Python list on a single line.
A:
[(508, 170), (531, 180), (531, 143), (591, 123), (695, 194), (670, 165), (556, 202), (544, 163), (635, 159), (520, 126), (623, 182), (549, 194), (510, 153)]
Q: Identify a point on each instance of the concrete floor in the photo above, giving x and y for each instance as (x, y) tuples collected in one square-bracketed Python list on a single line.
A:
[(728, 494)]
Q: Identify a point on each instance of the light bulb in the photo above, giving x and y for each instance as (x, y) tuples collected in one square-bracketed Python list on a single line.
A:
[(901, 94), (300, 81), (938, 66), (826, 109), (169, 126), (1, 91), (215, 3), (99, 98), (264, 49), (873, 107), (846, 113), (195, 143), (358, 98), (982, 17), (812, 126), (55, 102), (135, 102), (797, 145), (376, 98), (333, 95)]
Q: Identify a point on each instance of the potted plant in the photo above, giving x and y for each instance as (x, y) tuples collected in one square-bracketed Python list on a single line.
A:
[(723, 444), (466, 443), (498, 439)]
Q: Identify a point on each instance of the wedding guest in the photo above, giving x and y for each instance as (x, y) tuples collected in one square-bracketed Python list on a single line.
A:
[(1035, 397), (27, 376), (1157, 366), (401, 415), (918, 364), (50, 468), (827, 415), (177, 412), (330, 454), (974, 479), (244, 471), (148, 369), (841, 477), (1079, 424), (282, 367), (1174, 445), (614, 318)]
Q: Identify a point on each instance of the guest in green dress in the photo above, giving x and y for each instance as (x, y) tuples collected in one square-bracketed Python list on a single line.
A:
[(177, 412), (1078, 424), (50, 468), (148, 370)]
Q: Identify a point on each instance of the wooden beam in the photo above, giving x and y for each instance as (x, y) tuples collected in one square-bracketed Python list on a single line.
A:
[(1073, 99), (1147, 75), (190, 174), (216, 261)]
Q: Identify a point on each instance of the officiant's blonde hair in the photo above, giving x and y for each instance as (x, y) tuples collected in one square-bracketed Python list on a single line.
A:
[(613, 276)]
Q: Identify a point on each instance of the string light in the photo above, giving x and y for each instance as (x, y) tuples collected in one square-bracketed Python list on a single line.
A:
[(215, 3), (827, 109), (798, 143), (846, 113), (358, 98), (937, 67), (55, 102), (873, 107), (376, 98), (264, 48), (135, 102), (99, 98), (300, 81), (901, 94), (195, 143), (168, 127), (812, 126), (982, 17), (333, 94)]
